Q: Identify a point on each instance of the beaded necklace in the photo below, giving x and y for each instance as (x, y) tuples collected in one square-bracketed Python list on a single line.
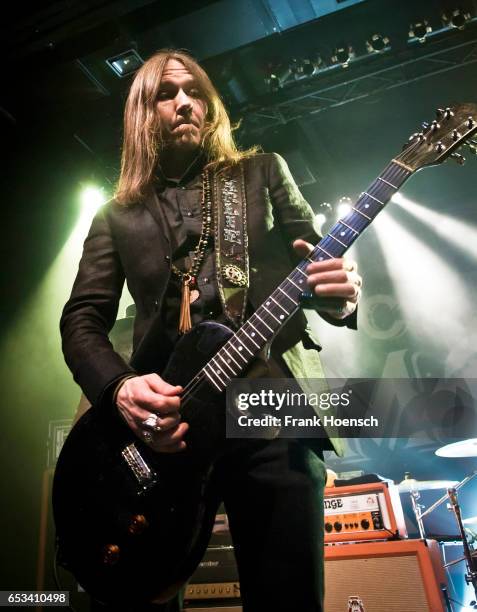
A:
[(189, 289)]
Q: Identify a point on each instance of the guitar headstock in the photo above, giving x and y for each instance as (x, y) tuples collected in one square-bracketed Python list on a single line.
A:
[(440, 139)]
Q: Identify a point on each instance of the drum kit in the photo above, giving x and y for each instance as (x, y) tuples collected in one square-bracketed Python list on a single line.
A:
[(467, 527)]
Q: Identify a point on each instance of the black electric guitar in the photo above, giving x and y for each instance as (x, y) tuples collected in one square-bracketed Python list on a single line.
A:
[(134, 524)]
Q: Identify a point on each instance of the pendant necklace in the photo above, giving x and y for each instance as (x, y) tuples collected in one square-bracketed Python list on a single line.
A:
[(189, 290)]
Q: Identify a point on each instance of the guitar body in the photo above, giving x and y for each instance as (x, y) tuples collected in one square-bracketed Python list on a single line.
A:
[(126, 537)]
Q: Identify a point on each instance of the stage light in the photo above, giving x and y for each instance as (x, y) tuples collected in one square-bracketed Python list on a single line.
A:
[(343, 206), (308, 68), (320, 219), (313, 64), (296, 67), (92, 198), (419, 30), (300, 68), (273, 82), (377, 43), (125, 63), (324, 212), (456, 19), (343, 55)]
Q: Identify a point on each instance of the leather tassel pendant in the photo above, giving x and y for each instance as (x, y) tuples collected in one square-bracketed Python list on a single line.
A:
[(185, 323)]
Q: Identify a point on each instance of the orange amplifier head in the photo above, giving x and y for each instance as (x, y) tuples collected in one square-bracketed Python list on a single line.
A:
[(363, 512)]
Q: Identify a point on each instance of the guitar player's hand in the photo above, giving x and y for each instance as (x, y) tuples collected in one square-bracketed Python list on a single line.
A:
[(335, 283), (140, 397)]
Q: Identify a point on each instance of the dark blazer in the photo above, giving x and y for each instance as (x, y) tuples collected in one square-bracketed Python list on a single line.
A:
[(131, 243)]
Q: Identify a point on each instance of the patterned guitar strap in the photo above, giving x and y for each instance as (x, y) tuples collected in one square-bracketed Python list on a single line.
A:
[(231, 241)]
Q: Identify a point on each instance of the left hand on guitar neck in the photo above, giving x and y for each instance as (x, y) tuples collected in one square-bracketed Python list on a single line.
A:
[(335, 283)]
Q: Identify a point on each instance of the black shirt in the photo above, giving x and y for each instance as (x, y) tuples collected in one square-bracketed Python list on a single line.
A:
[(181, 204)]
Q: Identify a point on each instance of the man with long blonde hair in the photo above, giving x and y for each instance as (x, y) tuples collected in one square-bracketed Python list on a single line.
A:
[(158, 234)]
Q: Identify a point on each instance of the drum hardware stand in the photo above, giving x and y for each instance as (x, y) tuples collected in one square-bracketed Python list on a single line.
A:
[(471, 559), (417, 509), (471, 562), (415, 495)]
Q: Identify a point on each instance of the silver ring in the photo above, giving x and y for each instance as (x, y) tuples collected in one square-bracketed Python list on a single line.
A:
[(147, 436), (152, 422)]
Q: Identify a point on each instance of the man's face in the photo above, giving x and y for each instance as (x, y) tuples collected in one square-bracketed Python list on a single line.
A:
[(181, 107)]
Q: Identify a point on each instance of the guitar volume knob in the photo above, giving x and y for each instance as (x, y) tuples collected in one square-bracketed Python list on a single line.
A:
[(111, 554), (138, 524)]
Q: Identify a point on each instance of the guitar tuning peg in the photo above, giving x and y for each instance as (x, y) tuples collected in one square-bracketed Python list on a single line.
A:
[(425, 125), (460, 159), (417, 136), (439, 112)]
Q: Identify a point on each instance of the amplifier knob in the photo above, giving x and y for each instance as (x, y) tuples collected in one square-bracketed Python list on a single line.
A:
[(328, 527), (365, 524), (338, 526)]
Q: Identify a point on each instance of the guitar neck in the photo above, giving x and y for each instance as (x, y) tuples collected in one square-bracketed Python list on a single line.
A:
[(269, 318)]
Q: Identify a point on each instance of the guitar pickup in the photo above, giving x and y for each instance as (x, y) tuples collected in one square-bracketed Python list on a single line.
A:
[(145, 476)]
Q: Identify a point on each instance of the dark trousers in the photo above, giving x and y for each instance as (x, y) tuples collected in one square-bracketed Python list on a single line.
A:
[(273, 495), (274, 501)]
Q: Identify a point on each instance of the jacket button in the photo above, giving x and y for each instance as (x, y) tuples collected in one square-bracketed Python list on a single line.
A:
[(167, 258)]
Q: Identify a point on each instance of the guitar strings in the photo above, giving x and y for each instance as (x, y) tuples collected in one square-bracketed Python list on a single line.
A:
[(200, 377)]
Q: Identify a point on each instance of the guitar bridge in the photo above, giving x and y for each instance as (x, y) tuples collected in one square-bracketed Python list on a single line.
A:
[(146, 477)]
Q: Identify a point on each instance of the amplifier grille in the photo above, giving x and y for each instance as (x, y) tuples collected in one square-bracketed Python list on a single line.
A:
[(391, 583)]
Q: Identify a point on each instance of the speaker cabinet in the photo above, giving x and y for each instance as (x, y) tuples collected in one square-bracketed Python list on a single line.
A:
[(376, 576)]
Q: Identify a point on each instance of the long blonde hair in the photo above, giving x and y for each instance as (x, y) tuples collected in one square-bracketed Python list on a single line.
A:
[(142, 140)]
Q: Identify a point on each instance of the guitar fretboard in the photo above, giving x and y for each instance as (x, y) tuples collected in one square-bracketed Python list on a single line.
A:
[(268, 319)]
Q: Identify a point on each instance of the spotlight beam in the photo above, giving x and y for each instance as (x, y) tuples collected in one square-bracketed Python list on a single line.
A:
[(425, 285), (462, 236)]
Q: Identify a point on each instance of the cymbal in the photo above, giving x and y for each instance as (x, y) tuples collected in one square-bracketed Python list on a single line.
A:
[(411, 484), (464, 448)]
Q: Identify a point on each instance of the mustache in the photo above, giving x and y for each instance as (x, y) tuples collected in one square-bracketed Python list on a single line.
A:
[(185, 121)]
